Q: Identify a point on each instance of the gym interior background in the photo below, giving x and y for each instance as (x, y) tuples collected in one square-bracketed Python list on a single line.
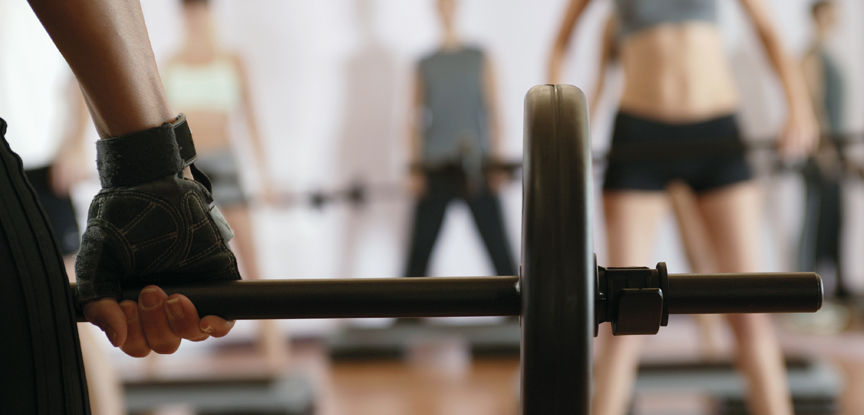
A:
[(331, 83)]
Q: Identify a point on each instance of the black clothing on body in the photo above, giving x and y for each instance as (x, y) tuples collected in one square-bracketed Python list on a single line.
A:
[(454, 147), (42, 372), (693, 161), (61, 213), (444, 186)]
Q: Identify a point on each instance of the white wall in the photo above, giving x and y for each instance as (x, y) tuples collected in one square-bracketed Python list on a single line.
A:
[(332, 102)]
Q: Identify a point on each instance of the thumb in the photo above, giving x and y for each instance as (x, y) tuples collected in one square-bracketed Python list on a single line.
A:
[(108, 316)]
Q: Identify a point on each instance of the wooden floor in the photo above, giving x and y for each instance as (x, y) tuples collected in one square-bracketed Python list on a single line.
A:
[(487, 387), (435, 380), (442, 378)]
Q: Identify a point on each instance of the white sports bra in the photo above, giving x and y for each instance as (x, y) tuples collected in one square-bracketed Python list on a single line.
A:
[(210, 87)]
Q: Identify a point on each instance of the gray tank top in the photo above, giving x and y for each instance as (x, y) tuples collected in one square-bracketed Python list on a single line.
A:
[(636, 15), (834, 88), (454, 128)]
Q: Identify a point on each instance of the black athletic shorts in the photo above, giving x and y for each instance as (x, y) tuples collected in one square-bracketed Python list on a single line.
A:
[(647, 154), (60, 212), (41, 371)]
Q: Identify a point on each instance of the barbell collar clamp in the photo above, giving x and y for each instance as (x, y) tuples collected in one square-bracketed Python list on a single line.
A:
[(631, 299)]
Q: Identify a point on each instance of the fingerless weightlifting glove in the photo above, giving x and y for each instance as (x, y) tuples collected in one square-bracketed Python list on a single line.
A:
[(148, 224)]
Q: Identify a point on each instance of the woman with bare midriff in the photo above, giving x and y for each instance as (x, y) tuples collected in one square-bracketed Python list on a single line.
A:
[(680, 93), (210, 85)]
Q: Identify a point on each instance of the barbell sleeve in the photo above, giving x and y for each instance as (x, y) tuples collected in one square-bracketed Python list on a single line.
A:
[(789, 292), (349, 298), (639, 300)]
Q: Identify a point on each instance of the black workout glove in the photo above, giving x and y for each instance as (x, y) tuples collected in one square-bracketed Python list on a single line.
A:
[(149, 225)]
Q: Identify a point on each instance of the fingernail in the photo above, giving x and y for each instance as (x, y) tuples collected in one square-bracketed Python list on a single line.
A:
[(231, 323), (208, 329), (112, 335), (149, 298), (128, 310), (175, 309)]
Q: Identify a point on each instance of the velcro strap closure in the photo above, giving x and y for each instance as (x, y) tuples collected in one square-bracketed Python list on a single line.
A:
[(183, 136), (138, 157)]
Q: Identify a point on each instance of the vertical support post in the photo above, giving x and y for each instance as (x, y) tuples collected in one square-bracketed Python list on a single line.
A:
[(558, 270)]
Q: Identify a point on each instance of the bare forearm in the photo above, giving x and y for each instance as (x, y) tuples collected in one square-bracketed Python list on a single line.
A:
[(493, 115), (790, 77), (559, 48), (602, 71), (251, 115), (415, 137), (556, 63), (255, 135), (257, 145), (495, 141), (105, 43), (608, 52), (598, 92), (79, 116)]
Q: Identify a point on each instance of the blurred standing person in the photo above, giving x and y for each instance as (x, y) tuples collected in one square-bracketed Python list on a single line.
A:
[(454, 134), (679, 91), (821, 231), (695, 240), (209, 85), (69, 166), (367, 148)]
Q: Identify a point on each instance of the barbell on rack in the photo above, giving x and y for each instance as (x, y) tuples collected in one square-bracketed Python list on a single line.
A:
[(561, 295)]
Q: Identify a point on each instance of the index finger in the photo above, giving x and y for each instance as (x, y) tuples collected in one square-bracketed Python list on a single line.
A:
[(106, 314)]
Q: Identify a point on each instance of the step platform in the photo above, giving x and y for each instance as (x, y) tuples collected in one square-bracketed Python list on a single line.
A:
[(287, 394), (394, 342), (815, 386)]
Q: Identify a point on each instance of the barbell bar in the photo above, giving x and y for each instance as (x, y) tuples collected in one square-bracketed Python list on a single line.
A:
[(359, 192), (795, 292), (561, 295)]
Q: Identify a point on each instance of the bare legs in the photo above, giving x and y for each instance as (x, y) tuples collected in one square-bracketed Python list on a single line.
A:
[(731, 216), (698, 248), (632, 219), (271, 342)]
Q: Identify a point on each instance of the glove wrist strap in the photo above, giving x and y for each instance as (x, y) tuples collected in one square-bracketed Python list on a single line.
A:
[(139, 157), (186, 147)]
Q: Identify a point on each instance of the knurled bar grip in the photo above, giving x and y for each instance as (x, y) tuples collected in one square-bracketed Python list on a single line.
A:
[(476, 296)]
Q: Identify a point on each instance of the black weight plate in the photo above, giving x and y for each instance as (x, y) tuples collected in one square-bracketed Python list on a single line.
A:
[(557, 253)]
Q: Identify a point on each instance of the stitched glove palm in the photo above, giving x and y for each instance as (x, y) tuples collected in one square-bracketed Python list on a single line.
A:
[(149, 225)]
